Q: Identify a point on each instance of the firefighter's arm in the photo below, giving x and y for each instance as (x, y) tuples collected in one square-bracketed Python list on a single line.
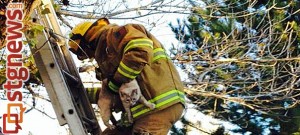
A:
[(136, 54)]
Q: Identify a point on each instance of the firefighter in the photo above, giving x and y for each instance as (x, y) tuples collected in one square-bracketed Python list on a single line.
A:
[(128, 52)]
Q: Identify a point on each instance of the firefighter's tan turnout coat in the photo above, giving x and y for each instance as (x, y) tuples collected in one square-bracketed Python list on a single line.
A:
[(130, 52)]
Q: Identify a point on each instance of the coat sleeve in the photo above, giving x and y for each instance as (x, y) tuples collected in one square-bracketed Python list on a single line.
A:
[(137, 51)]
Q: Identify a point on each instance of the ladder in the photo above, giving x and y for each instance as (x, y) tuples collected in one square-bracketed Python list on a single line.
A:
[(60, 77)]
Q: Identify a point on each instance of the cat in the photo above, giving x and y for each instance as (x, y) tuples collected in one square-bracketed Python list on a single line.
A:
[(130, 94)]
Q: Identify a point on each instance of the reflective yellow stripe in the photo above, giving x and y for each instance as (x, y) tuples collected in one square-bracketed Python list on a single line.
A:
[(92, 94), (157, 106), (158, 50), (127, 71), (159, 101), (138, 43), (113, 87), (181, 94), (155, 99), (94, 90), (158, 54)]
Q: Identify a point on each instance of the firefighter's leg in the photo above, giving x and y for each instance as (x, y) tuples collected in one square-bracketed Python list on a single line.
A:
[(158, 123)]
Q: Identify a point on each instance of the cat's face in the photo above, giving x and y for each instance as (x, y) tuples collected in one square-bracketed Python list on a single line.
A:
[(130, 96)]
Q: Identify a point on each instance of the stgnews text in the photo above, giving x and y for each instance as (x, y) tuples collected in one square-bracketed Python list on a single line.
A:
[(16, 73)]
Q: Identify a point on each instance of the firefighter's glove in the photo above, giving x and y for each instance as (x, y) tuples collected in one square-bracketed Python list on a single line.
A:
[(113, 86)]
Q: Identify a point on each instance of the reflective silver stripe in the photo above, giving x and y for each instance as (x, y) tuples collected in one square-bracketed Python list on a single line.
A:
[(159, 101), (138, 43), (158, 54)]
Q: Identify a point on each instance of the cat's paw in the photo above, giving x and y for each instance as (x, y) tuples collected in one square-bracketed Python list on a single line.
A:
[(151, 106)]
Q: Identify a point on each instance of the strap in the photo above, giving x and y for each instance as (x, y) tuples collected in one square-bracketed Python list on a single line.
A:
[(75, 36)]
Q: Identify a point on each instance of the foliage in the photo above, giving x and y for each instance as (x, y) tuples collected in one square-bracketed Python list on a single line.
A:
[(246, 55), (31, 34)]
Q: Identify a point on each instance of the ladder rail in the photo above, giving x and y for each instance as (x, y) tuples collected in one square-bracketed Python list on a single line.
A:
[(61, 78)]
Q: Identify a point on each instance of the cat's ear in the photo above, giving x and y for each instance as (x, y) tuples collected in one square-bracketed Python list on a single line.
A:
[(121, 94), (134, 91)]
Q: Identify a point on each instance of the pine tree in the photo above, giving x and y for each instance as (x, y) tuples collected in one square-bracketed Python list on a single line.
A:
[(245, 55)]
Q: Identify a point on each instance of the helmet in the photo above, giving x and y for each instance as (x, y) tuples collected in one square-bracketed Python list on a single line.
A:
[(81, 28), (79, 31)]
